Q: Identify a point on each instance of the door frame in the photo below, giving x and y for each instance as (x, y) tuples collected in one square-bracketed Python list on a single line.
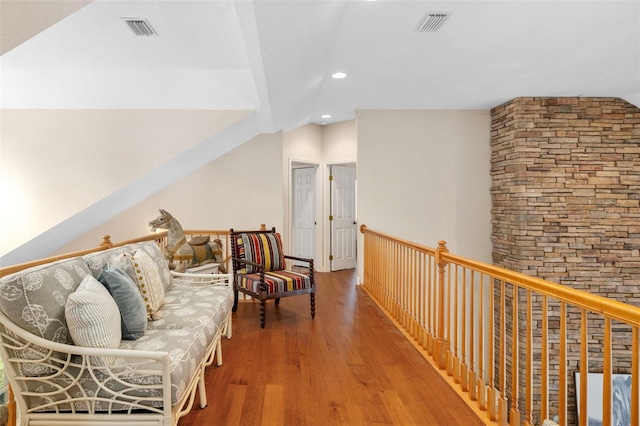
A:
[(296, 164)]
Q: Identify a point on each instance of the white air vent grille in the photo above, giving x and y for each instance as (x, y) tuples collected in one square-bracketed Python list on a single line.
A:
[(140, 27), (432, 21)]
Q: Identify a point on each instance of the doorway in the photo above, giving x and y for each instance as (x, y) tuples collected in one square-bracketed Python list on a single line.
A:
[(303, 223), (342, 218)]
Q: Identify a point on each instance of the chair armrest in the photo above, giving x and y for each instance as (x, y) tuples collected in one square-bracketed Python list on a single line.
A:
[(260, 266), (301, 259), (192, 280)]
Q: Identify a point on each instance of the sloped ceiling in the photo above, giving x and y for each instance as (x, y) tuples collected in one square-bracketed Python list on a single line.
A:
[(21, 20), (276, 57)]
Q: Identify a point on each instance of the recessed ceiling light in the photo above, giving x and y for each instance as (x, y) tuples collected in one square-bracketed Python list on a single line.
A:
[(339, 75), (323, 123), (325, 116)]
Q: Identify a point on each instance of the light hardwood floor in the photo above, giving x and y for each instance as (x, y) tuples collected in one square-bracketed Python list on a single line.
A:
[(349, 366)]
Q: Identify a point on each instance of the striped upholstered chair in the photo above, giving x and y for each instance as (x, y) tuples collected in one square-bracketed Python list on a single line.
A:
[(259, 270)]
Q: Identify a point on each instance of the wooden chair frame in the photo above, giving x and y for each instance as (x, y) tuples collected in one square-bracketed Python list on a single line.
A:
[(262, 295)]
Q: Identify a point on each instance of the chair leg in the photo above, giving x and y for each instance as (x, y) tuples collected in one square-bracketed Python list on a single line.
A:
[(235, 301), (313, 305), (262, 316)]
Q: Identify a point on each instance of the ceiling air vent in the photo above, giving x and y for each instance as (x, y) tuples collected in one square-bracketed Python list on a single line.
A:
[(432, 22), (140, 27)]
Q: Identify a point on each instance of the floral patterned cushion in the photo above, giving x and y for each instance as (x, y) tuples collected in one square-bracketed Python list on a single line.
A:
[(186, 349), (194, 308), (35, 298)]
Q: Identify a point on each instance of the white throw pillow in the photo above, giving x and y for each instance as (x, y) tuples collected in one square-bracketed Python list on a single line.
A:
[(148, 281), (93, 318)]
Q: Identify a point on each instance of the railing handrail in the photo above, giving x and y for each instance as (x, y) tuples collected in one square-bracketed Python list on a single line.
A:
[(106, 244), (592, 302), (428, 250)]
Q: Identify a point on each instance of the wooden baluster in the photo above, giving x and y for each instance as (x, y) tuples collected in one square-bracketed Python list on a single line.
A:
[(635, 374), (482, 387), (503, 403), (464, 371), (528, 416), (413, 296), (405, 288), (450, 322), (584, 363), (397, 287), (456, 312), (473, 395), (562, 390), (544, 361), (514, 414), (606, 376), (424, 310), (441, 353), (492, 394), (385, 276), (431, 312)]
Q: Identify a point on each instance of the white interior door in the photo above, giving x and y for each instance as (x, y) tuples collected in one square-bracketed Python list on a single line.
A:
[(304, 220), (343, 218)]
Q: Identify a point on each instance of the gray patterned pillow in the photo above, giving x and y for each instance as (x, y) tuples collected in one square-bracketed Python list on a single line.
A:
[(98, 260), (35, 298)]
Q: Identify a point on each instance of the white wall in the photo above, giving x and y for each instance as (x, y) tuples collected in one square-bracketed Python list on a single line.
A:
[(241, 189), (425, 176), (422, 175), (55, 163), (340, 142)]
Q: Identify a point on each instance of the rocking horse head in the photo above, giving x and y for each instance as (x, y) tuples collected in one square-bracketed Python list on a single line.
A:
[(161, 222)]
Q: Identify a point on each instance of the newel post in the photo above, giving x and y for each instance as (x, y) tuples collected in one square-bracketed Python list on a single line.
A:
[(442, 345), (106, 242)]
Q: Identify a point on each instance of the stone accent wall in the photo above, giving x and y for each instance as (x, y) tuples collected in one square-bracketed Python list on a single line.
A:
[(566, 205)]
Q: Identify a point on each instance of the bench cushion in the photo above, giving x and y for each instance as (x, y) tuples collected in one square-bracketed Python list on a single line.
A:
[(194, 308), (276, 281)]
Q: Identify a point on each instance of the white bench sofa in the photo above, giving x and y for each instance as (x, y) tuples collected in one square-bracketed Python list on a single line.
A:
[(148, 381)]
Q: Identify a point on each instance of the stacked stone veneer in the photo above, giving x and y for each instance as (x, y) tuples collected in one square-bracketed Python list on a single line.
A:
[(566, 208)]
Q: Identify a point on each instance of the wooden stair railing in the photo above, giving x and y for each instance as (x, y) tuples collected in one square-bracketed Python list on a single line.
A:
[(461, 314)]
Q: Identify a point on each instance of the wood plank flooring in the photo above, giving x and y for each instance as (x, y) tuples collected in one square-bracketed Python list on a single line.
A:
[(349, 366)]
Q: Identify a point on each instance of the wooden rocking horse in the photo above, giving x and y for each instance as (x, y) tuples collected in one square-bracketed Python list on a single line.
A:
[(182, 254)]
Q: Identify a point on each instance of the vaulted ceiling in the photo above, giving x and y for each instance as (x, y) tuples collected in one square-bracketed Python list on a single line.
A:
[(276, 56)]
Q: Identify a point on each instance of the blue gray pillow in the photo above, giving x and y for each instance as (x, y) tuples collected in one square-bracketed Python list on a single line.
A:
[(133, 314)]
